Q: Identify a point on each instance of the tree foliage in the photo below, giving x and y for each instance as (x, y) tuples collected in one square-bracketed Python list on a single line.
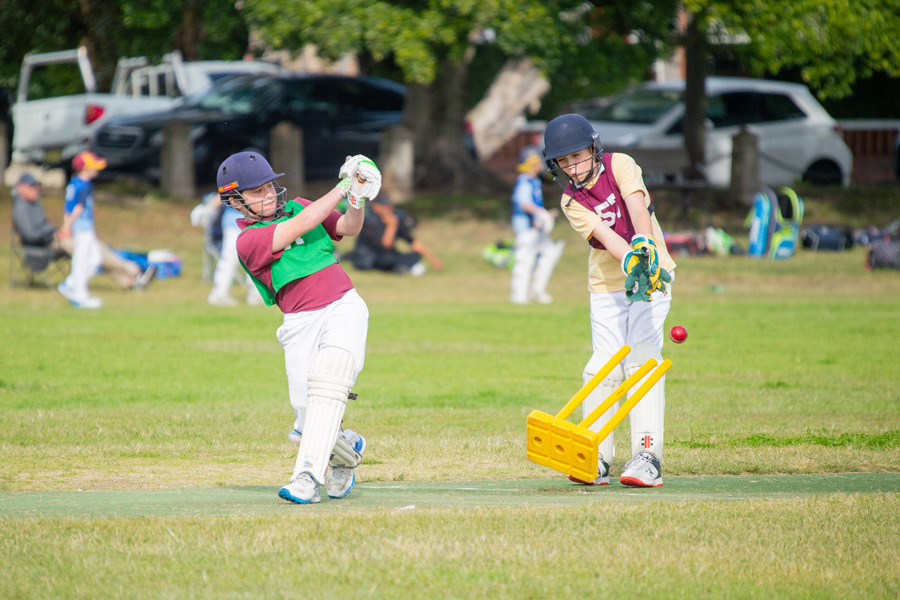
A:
[(591, 47), (113, 29), (833, 42)]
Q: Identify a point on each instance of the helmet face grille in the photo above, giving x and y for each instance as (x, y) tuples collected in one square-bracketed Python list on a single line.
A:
[(563, 178), (253, 209)]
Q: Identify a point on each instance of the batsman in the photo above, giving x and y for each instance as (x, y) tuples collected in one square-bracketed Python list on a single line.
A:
[(629, 278), (287, 249)]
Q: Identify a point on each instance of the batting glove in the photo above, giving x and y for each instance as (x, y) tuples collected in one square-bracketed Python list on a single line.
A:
[(364, 185), (544, 221), (348, 169)]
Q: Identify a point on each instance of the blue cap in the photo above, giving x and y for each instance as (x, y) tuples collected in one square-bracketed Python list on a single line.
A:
[(244, 171), (27, 179)]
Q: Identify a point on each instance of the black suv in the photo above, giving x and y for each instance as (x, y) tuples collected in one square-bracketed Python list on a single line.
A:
[(339, 116)]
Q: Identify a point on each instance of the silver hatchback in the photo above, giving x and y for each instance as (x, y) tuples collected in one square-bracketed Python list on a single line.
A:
[(798, 139)]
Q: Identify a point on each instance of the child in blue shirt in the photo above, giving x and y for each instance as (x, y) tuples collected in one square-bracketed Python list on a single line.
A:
[(87, 252)]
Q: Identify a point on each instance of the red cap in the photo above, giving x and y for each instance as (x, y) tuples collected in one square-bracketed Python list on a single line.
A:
[(88, 160)]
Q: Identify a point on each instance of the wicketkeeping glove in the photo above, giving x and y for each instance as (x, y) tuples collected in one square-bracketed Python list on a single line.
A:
[(645, 246), (637, 277)]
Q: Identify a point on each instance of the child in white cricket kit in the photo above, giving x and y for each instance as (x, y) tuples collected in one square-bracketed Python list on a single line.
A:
[(536, 254), (629, 269), (287, 249)]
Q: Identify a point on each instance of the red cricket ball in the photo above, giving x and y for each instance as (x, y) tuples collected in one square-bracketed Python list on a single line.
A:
[(678, 334)]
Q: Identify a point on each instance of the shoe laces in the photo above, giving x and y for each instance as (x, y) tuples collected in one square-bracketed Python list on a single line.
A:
[(646, 463)]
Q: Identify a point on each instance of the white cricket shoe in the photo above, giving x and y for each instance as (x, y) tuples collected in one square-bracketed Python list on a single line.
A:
[(642, 471), (541, 297), (91, 302), (602, 475), (221, 300), (340, 481), (302, 489)]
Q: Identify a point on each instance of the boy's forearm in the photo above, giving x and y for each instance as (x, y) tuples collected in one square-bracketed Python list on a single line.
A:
[(311, 216)]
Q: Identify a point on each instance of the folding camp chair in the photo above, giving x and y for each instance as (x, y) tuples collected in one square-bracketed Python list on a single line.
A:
[(34, 265)]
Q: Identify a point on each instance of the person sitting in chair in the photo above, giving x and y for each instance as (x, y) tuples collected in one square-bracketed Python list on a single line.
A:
[(376, 246)]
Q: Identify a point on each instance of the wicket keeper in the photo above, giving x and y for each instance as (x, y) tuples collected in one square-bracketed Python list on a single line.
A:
[(629, 276)]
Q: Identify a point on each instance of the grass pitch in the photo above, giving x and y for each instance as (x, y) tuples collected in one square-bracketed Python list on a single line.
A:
[(142, 444)]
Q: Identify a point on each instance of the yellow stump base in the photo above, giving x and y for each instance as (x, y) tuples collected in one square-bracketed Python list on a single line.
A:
[(572, 449)]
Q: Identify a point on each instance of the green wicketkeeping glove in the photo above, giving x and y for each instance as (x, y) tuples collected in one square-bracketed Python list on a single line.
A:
[(660, 284), (637, 277)]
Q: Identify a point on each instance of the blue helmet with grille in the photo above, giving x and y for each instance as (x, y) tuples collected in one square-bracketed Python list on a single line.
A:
[(567, 134)]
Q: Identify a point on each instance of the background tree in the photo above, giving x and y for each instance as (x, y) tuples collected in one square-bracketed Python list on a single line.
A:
[(434, 44), (832, 43), (199, 29)]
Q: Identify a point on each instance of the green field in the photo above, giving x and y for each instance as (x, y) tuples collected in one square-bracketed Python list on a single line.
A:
[(143, 444)]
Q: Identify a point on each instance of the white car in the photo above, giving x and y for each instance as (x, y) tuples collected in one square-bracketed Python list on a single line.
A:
[(798, 139)]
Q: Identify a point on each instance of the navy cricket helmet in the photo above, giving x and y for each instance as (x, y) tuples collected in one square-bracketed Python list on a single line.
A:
[(567, 134), (246, 171)]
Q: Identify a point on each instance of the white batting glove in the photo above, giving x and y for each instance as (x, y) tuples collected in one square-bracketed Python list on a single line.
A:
[(365, 185), (200, 216), (544, 221), (348, 169)]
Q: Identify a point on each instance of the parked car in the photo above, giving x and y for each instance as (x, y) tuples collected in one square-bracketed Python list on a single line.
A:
[(174, 77), (798, 139), (339, 116), (50, 130)]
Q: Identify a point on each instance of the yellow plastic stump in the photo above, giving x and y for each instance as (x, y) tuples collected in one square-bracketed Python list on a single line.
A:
[(572, 449)]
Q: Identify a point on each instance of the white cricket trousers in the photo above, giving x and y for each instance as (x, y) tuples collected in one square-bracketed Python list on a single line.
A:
[(535, 258), (615, 322), (344, 323), (86, 258)]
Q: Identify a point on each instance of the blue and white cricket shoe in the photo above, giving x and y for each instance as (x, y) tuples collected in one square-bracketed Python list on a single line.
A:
[(301, 490), (340, 480)]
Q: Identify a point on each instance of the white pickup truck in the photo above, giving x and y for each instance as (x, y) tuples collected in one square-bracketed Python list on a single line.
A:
[(50, 131)]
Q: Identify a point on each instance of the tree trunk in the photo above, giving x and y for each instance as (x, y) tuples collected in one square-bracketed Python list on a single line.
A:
[(695, 55), (436, 115), (187, 37), (100, 21)]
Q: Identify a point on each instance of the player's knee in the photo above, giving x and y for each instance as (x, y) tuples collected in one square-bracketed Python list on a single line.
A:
[(598, 361), (331, 373), (639, 355)]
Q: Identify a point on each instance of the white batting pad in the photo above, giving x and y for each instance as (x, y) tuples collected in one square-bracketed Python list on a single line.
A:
[(606, 387), (330, 380), (647, 415), (343, 454)]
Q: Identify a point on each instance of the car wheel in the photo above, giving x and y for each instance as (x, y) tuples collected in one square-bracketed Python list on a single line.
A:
[(823, 172)]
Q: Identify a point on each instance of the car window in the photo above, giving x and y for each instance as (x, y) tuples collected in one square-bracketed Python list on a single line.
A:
[(639, 106), (340, 96), (735, 108), (240, 95), (779, 107), (308, 99)]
